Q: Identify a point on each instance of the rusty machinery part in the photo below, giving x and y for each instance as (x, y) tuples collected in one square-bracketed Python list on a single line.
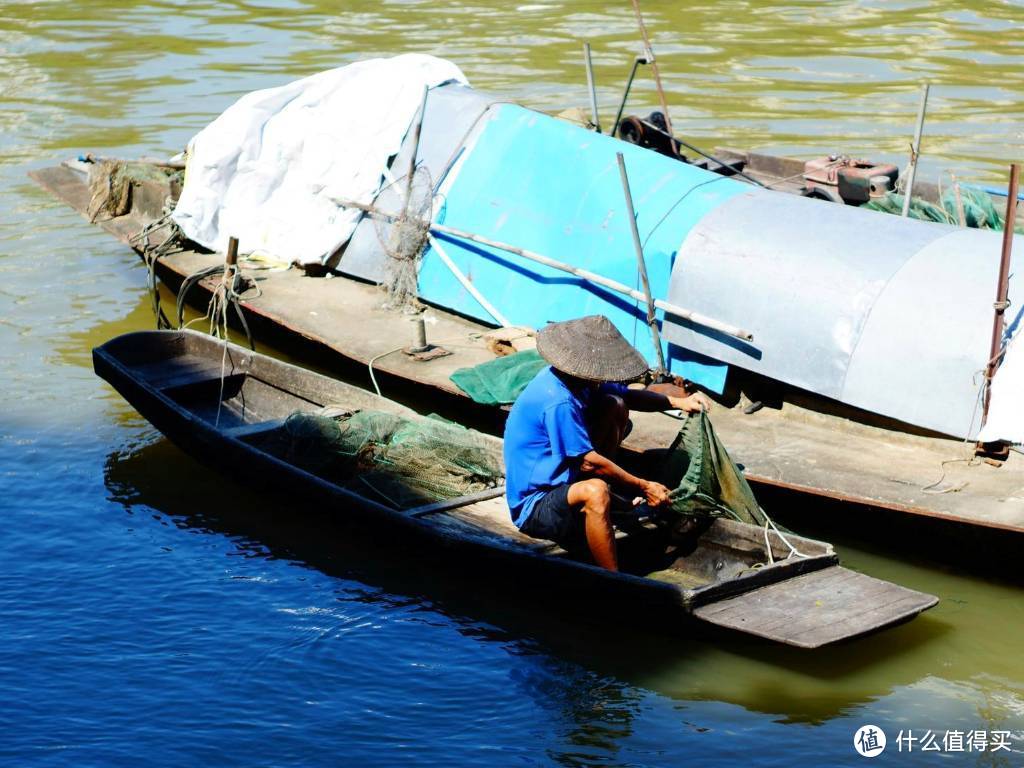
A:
[(650, 132), (842, 179)]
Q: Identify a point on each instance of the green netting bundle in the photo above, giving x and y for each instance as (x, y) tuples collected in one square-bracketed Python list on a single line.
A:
[(501, 380), (980, 211), (402, 461), (705, 479)]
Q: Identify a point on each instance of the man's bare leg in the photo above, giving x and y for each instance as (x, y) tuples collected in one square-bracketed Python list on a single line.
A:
[(596, 500)]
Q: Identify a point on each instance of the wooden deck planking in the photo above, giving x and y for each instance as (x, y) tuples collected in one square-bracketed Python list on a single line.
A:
[(792, 447), (818, 608)]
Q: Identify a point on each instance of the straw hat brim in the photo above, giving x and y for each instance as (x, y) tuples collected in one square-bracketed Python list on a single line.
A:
[(590, 348)]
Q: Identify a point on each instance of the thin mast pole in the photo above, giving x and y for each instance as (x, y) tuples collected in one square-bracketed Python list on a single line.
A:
[(1002, 288), (652, 320), (915, 151), (594, 118), (649, 55), (415, 149)]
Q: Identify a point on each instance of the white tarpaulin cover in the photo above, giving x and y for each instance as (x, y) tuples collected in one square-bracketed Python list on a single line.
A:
[(266, 170)]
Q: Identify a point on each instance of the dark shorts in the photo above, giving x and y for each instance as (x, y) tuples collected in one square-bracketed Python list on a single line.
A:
[(554, 518)]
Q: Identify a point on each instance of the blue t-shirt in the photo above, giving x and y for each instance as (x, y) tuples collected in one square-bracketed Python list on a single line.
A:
[(545, 438)]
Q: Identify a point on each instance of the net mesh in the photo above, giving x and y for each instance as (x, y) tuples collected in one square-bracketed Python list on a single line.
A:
[(980, 211), (705, 480), (401, 461), (110, 185), (403, 239)]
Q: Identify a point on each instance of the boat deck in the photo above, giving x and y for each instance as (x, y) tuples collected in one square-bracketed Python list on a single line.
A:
[(343, 323)]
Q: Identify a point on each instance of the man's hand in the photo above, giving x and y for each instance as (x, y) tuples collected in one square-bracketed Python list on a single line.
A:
[(698, 401), (655, 494)]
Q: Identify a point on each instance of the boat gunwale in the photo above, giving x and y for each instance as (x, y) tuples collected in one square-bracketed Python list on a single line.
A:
[(687, 598)]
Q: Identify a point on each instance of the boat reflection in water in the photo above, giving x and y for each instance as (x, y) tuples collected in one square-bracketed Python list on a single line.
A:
[(600, 665)]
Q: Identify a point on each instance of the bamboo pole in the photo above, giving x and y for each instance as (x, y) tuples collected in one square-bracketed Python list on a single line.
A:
[(592, 277), (1002, 289), (415, 148), (467, 284), (961, 216), (641, 265), (915, 150), (649, 55), (594, 118)]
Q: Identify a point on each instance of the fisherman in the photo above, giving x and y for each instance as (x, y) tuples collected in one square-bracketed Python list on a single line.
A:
[(565, 428)]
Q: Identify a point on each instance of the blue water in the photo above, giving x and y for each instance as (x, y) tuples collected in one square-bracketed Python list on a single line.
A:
[(153, 612)]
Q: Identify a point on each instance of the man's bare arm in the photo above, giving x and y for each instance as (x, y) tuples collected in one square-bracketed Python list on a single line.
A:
[(596, 465), (645, 400)]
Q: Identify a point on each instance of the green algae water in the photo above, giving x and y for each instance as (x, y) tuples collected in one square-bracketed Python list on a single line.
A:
[(151, 610)]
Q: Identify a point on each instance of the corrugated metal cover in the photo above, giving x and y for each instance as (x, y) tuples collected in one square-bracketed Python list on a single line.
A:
[(880, 312)]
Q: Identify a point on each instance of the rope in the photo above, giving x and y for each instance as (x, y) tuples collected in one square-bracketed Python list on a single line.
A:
[(151, 254), (373, 379), (793, 551), (229, 292), (452, 342)]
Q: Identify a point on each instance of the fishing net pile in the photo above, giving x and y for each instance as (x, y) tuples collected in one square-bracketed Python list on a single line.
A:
[(399, 461), (706, 482), (403, 239), (979, 210), (111, 183)]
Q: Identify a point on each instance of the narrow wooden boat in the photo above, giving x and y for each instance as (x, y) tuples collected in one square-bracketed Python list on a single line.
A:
[(226, 405)]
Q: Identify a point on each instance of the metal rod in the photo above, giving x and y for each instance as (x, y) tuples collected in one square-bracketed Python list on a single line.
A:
[(467, 284), (594, 118), (592, 277), (915, 151), (723, 163), (1002, 288), (689, 315), (641, 265), (625, 94), (649, 54), (231, 259), (419, 336), (415, 147), (711, 157)]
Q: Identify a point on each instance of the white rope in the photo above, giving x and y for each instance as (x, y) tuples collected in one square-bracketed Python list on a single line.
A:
[(769, 523), (373, 379)]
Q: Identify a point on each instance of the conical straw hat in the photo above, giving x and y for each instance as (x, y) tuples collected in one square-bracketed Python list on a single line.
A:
[(590, 348)]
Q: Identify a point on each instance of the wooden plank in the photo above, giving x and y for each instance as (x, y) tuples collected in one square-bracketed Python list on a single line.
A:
[(179, 372), (247, 430), (461, 501), (818, 608)]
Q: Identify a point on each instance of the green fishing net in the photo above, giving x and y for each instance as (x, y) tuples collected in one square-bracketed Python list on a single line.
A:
[(400, 461), (499, 381), (980, 211), (706, 482)]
